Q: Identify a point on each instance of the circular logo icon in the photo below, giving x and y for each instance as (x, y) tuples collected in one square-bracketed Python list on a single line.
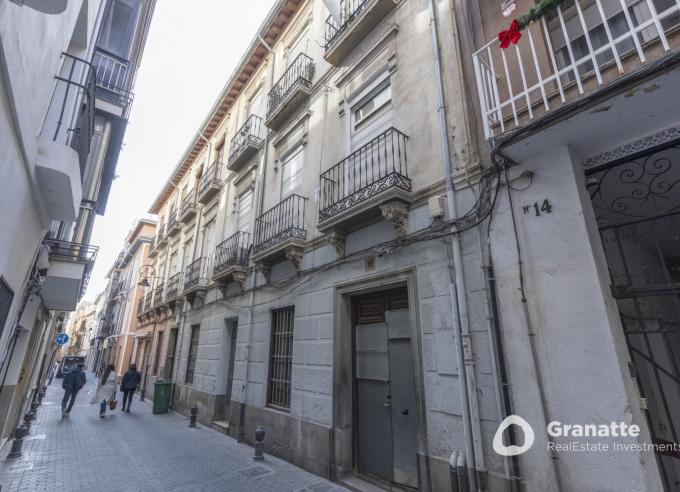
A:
[(62, 338), (513, 450)]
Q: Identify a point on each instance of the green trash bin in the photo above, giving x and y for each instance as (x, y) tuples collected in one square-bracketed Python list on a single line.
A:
[(161, 396)]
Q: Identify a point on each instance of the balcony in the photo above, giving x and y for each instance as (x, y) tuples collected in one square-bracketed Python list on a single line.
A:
[(292, 88), (210, 183), (231, 259), (153, 250), (113, 80), (174, 225), (148, 302), (161, 239), (371, 182), (542, 76), (173, 291), (189, 208), (64, 142), (140, 308), (196, 278), (246, 142), (357, 19), (280, 233), (68, 274), (158, 296)]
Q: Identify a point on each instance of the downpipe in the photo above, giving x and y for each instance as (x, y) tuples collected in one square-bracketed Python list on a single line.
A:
[(259, 203), (471, 430)]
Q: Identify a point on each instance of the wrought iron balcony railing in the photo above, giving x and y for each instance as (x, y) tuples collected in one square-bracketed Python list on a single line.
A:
[(248, 137), (283, 221), (607, 40), (188, 208), (173, 221), (233, 251), (174, 286), (299, 73), (197, 273), (210, 181), (113, 79), (158, 295), (148, 300), (379, 165), (70, 117)]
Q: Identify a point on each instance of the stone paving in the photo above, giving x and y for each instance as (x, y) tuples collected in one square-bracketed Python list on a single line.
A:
[(138, 451)]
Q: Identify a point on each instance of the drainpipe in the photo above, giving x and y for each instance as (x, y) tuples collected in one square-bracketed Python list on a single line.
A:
[(457, 286), (259, 203)]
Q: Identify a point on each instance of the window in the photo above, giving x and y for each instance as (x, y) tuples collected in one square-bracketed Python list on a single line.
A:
[(193, 349), (245, 206), (281, 358), (172, 264), (118, 27), (207, 239), (188, 253), (6, 297), (157, 358), (291, 174), (374, 102)]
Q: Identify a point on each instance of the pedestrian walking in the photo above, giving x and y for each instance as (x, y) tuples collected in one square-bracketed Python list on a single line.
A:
[(128, 386), (73, 382), (106, 391)]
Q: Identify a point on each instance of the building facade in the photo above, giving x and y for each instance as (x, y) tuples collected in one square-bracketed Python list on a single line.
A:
[(66, 74)]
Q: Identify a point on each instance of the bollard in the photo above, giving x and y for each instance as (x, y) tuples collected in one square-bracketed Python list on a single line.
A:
[(41, 395), (259, 443), (18, 442), (28, 418), (194, 412), (142, 393)]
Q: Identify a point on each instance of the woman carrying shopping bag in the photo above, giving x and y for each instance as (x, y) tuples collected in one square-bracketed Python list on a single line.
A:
[(106, 391)]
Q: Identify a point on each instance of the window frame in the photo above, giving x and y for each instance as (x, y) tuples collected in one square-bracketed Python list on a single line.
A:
[(383, 87), (192, 354), (281, 402)]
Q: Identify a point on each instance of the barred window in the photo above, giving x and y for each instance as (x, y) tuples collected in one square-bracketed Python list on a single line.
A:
[(193, 348), (281, 358), (6, 296)]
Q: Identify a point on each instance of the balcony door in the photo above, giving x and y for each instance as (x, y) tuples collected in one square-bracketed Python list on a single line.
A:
[(244, 212), (255, 104), (118, 27), (291, 174), (206, 249)]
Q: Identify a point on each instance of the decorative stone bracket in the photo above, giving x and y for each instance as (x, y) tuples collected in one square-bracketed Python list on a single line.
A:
[(396, 212), (337, 240), (295, 255), (265, 269), (240, 277)]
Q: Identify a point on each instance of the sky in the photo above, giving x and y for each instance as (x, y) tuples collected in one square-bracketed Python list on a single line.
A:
[(191, 51)]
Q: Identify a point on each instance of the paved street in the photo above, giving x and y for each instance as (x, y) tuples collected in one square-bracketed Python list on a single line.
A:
[(138, 451)]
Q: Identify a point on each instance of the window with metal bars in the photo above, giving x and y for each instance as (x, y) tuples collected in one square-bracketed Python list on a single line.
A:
[(193, 349), (6, 297), (281, 358)]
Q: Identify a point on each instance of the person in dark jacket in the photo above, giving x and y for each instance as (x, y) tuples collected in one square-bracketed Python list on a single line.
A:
[(128, 385), (73, 382)]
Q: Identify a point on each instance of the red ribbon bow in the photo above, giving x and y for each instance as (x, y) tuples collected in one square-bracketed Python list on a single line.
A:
[(512, 35)]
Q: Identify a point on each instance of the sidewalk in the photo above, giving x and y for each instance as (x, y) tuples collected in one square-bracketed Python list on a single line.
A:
[(138, 451)]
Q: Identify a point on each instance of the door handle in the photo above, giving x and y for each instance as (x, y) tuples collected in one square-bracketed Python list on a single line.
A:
[(387, 404), (404, 411)]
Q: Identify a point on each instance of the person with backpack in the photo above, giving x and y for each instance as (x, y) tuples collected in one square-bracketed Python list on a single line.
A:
[(128, 385), (73, 382)]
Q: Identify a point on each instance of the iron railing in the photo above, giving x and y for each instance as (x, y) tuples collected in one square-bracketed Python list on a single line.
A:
[(349, 11), (148, 300), (300, 72), (173, 219), (113, 78), (283, 221), (233, 251), (188, 202), (211, 177), (250, 133), (158, 294), (161, 234), (174, 284), (76, 253), (70, 118), (197, 273), (377, 166), (542, 71)]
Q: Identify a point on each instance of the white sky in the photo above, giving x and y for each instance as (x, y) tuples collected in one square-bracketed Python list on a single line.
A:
[(190, 53)]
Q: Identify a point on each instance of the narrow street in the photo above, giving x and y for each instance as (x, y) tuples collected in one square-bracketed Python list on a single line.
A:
[(138, 451)]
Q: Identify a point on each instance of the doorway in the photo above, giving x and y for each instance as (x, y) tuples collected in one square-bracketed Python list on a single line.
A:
[(384, 414), (232, 333), (637, 204)]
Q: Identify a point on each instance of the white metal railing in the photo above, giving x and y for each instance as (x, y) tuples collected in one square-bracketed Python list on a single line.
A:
[(523, 81), (113, 75)]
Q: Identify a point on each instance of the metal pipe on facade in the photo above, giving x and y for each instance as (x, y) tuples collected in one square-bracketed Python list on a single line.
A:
[(259, 203), (457, 286)]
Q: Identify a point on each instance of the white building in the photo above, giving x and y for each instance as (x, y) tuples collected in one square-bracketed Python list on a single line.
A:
[(66, 72)]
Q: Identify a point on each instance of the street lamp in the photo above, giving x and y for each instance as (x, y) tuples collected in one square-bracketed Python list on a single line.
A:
[(146, 272)]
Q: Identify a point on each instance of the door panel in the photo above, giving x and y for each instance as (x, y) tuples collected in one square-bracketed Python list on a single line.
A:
[(404, 425)]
